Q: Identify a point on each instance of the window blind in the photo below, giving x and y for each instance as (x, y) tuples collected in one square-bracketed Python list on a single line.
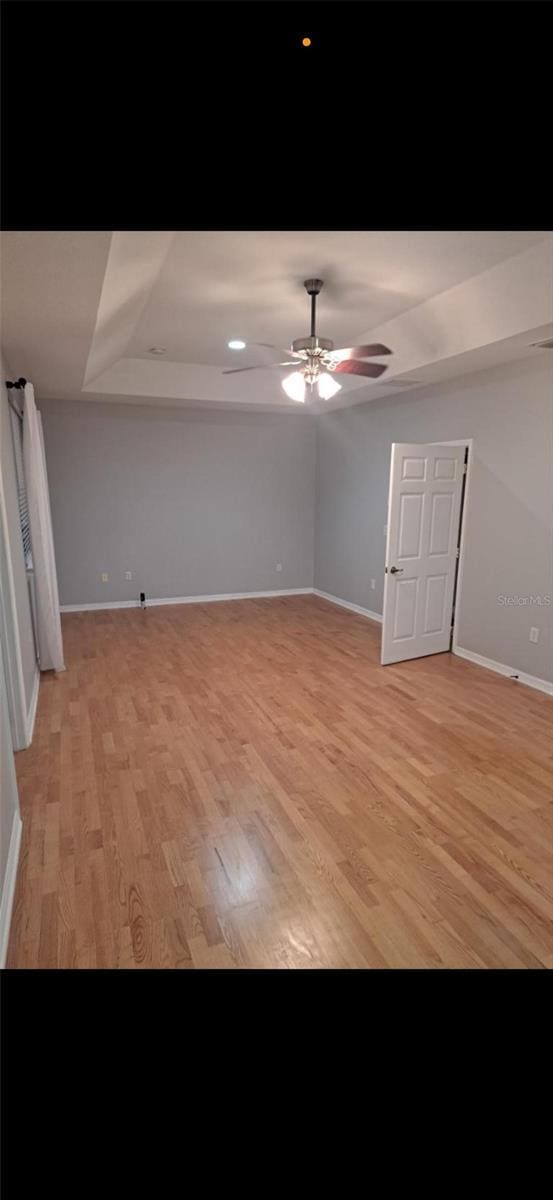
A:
[(17, 429)]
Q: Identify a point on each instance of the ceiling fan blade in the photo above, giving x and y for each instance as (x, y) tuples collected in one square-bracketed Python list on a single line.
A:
[(352, 366), (260, 367), (361, 351), (280, 349)]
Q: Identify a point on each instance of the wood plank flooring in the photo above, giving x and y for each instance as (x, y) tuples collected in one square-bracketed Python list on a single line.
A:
[(241, 784)]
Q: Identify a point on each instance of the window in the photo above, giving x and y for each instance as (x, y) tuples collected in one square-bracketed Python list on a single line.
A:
[(17, 429)]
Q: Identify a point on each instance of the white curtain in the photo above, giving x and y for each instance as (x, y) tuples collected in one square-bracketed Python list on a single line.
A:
[(42, 543)]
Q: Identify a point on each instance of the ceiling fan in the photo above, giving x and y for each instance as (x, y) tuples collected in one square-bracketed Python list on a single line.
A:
[(317, 359)]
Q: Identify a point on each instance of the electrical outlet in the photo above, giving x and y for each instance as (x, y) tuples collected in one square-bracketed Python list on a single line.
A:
[(104, 576), (373, 584), (128, 574), (534, 634), (278, 567)]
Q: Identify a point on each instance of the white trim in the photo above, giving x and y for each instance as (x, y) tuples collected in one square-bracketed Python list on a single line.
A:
[(356, 608), (533, 681), (9, 631), (32, 708), (469, 443), (185, 599), (8, 891), (65, 608)]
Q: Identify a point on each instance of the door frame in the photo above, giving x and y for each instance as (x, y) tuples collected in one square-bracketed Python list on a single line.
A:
[(9, 633), (458, 593)]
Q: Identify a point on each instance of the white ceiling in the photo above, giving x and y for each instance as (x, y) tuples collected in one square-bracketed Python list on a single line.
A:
[(216, 286), (80, 311)]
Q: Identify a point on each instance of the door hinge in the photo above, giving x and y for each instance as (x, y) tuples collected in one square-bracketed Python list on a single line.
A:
[(457, 552)]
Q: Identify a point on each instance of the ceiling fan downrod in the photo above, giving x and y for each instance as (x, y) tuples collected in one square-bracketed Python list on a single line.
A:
[(312, 347), (313, 287)]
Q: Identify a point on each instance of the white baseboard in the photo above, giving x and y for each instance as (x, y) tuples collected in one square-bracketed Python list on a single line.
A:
[(32, 708), (8, 890), (533, 681), (356, 608), (64, 608)]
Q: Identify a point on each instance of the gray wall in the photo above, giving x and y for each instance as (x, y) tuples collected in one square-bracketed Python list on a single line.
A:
[(15, 545), (508, 411), (196, 502), (192, 502)]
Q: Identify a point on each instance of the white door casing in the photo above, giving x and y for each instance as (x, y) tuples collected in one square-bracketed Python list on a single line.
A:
[(9, 636), (424, 505)]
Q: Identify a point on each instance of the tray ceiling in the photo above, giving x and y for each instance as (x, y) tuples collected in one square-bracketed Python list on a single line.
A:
[(81, 311)]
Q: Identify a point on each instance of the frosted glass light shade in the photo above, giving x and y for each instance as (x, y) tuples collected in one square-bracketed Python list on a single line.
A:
[(294, 386), (327, 387)]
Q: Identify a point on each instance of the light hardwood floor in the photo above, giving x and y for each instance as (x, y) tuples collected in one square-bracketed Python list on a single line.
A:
[(242, 784)]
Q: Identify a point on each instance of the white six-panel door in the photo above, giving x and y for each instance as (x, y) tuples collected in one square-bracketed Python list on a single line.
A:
[(424, 504)]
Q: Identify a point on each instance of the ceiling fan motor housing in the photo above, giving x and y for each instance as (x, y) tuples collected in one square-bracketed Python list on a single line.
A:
[(313, 345)]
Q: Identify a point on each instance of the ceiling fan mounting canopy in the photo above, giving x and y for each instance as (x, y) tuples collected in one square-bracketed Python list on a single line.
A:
[(313, 286), (315, 357)]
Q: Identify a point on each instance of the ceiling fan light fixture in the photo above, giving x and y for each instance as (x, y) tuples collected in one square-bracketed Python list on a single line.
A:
[(317, 357), (294, 386), (328, 387)]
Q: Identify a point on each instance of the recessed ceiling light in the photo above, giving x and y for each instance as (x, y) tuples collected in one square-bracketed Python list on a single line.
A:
[(157, 350), (237, 344)]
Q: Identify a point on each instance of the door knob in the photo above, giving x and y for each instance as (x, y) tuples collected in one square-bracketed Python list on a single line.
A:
[(396, 570)]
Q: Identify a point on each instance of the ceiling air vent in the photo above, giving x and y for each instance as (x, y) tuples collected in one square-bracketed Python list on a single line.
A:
[(548, 345)]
